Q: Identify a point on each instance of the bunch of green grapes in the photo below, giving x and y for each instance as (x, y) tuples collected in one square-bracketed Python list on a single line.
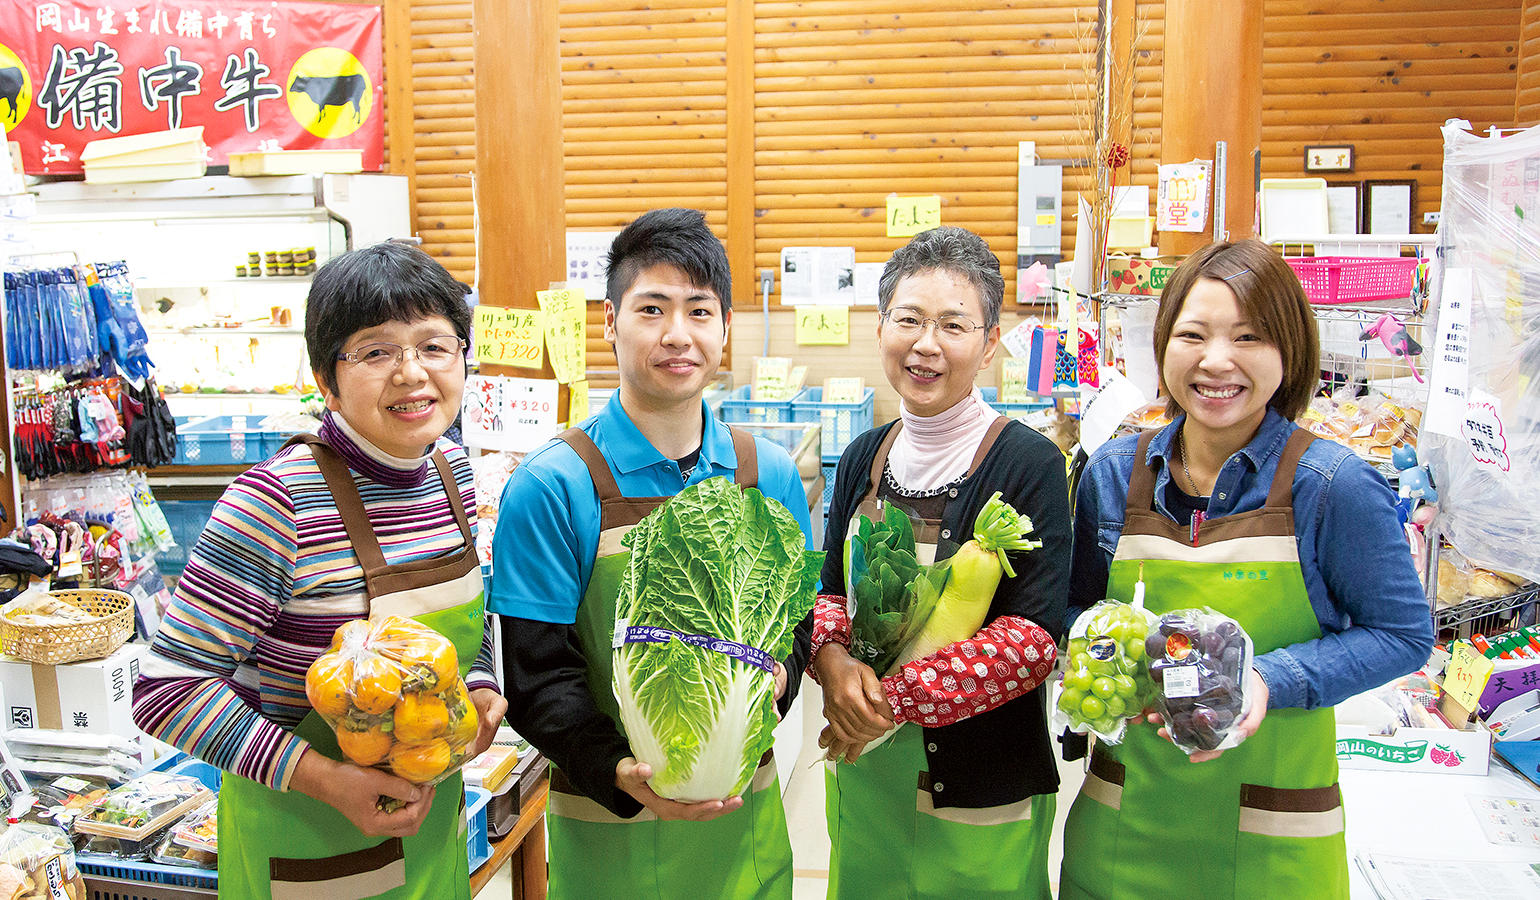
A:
[(1105, 681)]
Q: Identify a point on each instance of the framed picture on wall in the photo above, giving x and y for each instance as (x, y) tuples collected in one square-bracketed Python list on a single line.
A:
[(1344, 207), (1328, 158), (1388, 205)]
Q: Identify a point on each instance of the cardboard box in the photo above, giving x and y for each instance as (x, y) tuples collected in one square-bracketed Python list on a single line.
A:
[(94, 696), (1135, 275), (1442, 750)]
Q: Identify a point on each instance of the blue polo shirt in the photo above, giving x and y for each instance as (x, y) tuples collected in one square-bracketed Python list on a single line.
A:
[(548, 525)]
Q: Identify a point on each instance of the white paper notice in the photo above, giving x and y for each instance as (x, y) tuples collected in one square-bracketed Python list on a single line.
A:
[(1080, 276), (868, 277), (1449, 371), (1139, 348), (818, 276), (517, 414), (1182, 202), (1117, 398), (1018, 341), (587, 255), (1390, 209), (1483, 429)]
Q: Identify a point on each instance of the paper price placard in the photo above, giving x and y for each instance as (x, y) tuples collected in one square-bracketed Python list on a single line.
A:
[(1014, 375), (566, 332), (844, 390), (509, 337), (908, 216), (1467, 675), (823, 324), (501, 413)]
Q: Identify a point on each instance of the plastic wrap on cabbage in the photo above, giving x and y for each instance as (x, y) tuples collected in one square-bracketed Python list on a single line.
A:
[(717, 580)]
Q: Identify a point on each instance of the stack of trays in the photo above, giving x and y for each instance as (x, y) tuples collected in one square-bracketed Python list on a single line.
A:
[(157, 156)]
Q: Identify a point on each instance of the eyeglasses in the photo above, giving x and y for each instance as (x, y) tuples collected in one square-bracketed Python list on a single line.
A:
[(948, 328), (438, 352)]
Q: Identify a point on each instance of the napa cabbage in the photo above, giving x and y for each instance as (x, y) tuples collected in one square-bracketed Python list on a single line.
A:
[(724, 562)]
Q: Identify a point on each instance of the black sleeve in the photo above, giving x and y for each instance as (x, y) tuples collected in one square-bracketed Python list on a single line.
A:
[(544, 680), (1089, 585), (1039, 491), (850, 484)]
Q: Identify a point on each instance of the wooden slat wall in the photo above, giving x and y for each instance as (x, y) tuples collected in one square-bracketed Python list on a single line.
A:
[(920, 96), (1383, 75), (1527, 102), (444, 132)]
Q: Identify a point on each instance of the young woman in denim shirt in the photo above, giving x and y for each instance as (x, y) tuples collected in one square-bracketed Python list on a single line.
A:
[(1234, 507)]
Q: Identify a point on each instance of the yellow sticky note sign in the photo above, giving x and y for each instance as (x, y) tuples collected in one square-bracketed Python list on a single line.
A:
[(1046, 218), (823, 324), (509, 337), (1466, 675), (577, 402), (908, 216), (566, 336)]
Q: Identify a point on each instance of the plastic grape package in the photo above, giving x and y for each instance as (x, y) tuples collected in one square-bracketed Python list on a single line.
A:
[(1105, 682), (1198, 660), (391, 691)]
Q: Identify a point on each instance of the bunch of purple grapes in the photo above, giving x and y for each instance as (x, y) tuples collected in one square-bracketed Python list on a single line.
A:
[(1206, 655)]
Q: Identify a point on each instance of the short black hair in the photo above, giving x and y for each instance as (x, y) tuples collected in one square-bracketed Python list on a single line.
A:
[(949, 249), (676, 237), (387, 282)]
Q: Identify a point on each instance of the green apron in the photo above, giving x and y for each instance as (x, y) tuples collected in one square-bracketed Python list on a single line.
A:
[(1265, 818), (596, 854), (886, 843), (323, 855)]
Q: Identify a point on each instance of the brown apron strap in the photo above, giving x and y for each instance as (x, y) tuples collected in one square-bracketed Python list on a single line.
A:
[(1282, 492), (748, 459), (446, 475), (881, 459), (1141, 487), (349, 504), (995, 427), (598, 467)]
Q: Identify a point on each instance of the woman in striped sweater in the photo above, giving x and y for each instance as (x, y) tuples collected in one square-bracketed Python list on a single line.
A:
[(376, 516)]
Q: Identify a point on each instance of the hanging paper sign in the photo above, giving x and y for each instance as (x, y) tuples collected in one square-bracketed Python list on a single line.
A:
[(577, 402), (566, 332), (257, 76), (908, 216), (1182, 201), (509, 337), (823, 324), (1483, 430), (517, 414)]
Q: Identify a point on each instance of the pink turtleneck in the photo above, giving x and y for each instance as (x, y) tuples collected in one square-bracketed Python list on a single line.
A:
[(933, 452)]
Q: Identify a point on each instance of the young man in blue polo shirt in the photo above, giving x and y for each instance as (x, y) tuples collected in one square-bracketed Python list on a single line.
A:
[(557, 559)]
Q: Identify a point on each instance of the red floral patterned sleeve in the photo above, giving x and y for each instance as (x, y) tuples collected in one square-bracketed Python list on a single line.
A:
[(1007, 658), (830, 623)]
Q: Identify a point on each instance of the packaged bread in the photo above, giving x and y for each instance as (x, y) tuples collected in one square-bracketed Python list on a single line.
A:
[(39, 863)]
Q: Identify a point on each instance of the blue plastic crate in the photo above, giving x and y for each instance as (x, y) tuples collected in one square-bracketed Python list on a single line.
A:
[(187, 519), (841, 422), (828, 485), (1014, 410), (221, 441), (737, 407), (478, 846)]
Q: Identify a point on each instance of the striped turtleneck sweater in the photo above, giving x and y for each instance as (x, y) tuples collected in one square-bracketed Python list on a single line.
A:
[(272, 577)]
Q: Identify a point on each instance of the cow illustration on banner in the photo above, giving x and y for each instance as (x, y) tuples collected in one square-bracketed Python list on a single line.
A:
[(256, 75)]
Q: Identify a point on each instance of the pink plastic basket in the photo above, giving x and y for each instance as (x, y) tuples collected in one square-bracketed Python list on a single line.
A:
[(1354, 279)]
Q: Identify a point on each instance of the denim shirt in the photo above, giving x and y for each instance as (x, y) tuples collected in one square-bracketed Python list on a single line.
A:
[(1375, 623)]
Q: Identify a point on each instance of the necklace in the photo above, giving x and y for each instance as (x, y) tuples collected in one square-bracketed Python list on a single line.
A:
[(1181, 443)]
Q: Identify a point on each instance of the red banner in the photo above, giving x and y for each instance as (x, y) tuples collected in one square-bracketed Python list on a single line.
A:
[(256, 75)]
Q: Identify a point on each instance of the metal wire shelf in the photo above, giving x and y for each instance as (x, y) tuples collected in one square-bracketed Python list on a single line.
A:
[(1488, 615)]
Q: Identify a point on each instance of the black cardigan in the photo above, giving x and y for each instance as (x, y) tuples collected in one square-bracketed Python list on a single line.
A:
[(1004, 755)]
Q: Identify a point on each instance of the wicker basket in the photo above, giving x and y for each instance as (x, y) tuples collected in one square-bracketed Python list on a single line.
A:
[(55, 644)]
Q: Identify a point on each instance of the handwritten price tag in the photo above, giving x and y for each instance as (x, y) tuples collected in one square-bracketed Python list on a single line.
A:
[(823, 324), (509, 337), (1467, 675), (1014, 375), (908, 216)]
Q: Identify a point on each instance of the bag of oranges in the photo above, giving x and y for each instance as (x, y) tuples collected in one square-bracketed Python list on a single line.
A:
[(392, 692)]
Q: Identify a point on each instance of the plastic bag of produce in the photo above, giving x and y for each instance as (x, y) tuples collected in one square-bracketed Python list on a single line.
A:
[(1105, 682), (38, 861), (392, 692), (1198, 660)]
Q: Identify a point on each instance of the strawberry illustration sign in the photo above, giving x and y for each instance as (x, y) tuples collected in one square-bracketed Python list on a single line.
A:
[(256, 76), (1415, 750)]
